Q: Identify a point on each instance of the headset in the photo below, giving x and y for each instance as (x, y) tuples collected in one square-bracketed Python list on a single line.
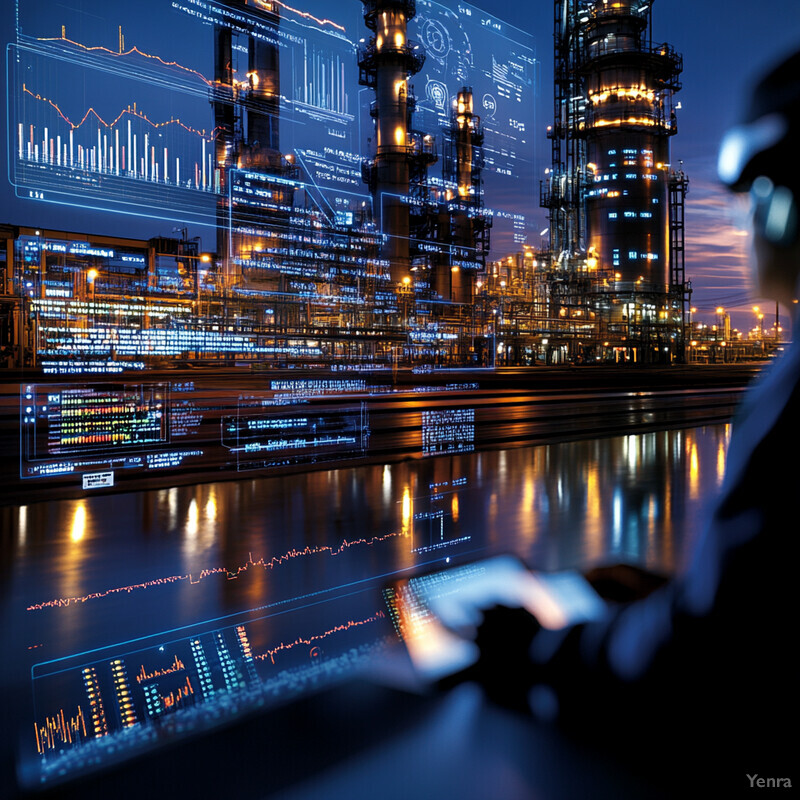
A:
[(748, 155), (774, 212)]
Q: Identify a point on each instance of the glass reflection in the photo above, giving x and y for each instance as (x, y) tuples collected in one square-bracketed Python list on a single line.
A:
[(249, 582)]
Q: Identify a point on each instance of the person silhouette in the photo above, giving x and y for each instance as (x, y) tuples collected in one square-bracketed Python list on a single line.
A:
[(696, 682)]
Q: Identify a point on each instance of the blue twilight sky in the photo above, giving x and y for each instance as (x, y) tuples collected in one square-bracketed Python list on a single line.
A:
[(725, 44)]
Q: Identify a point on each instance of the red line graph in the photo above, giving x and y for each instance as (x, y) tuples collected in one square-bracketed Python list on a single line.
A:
[(305, 14), (231, 574), (121, 52), (131, 111), (270, 654)]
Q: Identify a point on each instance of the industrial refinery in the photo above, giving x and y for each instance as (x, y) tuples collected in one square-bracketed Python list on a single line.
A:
[(301, 277)]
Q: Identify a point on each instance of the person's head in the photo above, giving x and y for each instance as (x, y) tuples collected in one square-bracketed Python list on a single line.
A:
[(760, 156)]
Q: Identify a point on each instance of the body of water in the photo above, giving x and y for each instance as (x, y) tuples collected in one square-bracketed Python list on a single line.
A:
[(129, 618)]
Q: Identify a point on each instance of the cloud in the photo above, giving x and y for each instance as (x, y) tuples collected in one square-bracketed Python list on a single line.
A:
[(717, 248)]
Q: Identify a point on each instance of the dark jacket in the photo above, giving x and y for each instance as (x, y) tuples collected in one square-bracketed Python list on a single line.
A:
[(702, 673)]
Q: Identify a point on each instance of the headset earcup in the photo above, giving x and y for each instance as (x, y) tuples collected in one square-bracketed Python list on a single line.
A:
[(776, 217), (791, 230)]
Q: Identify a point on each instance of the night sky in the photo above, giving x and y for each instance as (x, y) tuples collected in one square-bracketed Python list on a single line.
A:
[(725, 44)]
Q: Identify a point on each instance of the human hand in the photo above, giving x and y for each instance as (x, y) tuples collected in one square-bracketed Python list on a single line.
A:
[(504, 668)]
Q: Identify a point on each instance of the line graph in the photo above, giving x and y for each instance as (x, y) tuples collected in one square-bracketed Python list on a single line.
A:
[(268, 5), (130, 110), (129, 144), (345, 626), (263, 563), (143, 675), (122, 52)]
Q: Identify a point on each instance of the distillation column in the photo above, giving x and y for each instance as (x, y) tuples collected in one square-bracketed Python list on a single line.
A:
[(386, 62), (629, 85), (467, 227), (262, 149), (222, 100), (246, 113)]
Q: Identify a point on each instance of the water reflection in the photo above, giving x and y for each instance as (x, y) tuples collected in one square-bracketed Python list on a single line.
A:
[(22, 530), (294, 565), (556, 505)]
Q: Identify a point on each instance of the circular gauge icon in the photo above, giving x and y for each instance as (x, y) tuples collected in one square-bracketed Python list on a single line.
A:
[(437, 92), (436, 39)]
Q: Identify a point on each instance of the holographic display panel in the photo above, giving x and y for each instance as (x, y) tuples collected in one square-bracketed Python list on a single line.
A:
[(117, 107), (108, 429), (75, 419), (209, 632)]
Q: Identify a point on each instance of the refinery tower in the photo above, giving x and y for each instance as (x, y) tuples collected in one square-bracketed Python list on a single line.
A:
[(436, 238), (386, 63), (629, 121), (614, 197)]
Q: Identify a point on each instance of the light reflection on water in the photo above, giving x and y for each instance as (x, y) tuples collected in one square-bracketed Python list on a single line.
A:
[(636, 498), (311, 552)]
